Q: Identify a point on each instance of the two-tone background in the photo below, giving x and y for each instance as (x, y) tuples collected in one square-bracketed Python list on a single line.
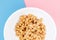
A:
[(7, 7)]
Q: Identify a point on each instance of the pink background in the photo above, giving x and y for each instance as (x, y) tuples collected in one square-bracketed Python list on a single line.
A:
[(50, 6)]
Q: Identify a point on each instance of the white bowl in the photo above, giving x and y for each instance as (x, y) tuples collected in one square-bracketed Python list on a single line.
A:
[(9, 32)]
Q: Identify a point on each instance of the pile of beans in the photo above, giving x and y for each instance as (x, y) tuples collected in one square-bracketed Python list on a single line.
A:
[(29, 27)]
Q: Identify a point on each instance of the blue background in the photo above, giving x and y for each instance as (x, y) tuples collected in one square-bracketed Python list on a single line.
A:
[(7, 7)]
